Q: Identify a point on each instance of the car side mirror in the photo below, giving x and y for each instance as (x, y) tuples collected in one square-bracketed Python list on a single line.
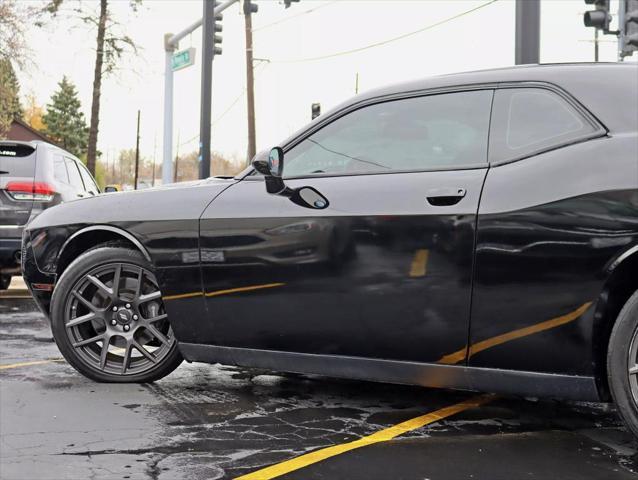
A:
[(272, 168)]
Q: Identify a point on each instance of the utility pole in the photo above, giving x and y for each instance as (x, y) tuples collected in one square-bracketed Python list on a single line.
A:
[(356, 84), (528, 27), (137, 151), (154, 154), (176, 160), (249, 9), (595, 45)]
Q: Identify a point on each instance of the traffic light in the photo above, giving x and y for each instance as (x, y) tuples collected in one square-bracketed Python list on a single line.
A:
[(628, 26), (599, 18), (250, 7), (288, 2), (315, 110), (217, 39)]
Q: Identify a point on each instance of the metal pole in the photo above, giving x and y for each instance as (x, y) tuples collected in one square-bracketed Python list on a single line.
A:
[(595, 44), (167, 158), (208, 53), (528, 26), (250, 81), (137, 151)]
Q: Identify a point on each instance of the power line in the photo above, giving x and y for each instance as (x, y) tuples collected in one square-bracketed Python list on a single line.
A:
[(390, 40), (314, 9), (226, 110)]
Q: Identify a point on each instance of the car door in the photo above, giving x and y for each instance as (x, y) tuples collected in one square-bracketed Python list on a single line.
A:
[(559, 204), (385, 270)]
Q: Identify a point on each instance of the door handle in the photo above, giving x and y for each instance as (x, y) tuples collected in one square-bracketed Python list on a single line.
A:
[(445, 197)]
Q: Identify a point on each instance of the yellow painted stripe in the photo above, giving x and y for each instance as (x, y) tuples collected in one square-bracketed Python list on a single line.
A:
[(29, 364), (419, 267), (381, 436), (475, 348), (223, 292), (244, 289), (182, 295)]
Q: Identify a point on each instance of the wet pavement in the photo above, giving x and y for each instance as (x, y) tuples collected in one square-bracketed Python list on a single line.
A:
[(214, 422)]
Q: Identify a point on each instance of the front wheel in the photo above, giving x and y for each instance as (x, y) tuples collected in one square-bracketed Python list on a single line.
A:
[(108, 318), (622, 363)]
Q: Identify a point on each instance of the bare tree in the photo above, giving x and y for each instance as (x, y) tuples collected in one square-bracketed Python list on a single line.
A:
[(14, 17), (111, 45)]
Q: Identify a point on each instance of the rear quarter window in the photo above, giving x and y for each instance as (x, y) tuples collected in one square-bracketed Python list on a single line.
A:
[(527, 121)]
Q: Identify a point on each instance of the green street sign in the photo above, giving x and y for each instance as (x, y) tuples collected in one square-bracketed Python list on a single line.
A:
[(183, 59)]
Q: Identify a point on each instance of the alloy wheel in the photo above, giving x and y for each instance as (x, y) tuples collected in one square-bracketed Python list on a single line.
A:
[(115, 320), (632, 366)]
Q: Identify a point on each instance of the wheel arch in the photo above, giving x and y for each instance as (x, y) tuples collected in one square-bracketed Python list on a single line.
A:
[(92, 236), (620, 284)]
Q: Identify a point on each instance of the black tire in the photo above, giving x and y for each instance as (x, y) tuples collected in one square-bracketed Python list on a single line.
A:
[(80, 358), (623, 338), (5, 281)]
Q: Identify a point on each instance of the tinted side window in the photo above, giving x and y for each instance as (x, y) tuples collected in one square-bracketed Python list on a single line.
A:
[(529, 120), (59, 169), (421, 133), (89, 183), (74, 174)]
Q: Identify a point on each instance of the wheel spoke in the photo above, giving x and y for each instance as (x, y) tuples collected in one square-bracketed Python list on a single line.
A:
[(105, 350), (84, 301), (157, 334), (98, 283), (140, 281), (89, 341), (144, 352), (633, 370), (126, 359), (79, 320), (157, 318), (116, 279), (149, 296)]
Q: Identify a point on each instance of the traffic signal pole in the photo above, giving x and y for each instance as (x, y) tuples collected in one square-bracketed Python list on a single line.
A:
[(249, 8), (170, 45), (528, 31)]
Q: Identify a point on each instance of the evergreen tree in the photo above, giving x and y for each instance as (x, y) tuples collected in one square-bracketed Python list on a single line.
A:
[(63, 120), (9, 96)]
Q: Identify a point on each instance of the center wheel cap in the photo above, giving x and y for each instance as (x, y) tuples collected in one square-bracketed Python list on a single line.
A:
[(123, 316)]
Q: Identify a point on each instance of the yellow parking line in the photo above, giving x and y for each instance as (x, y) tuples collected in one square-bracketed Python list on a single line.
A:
[(477, 347), (29, 364), (381, 436), (419, 266)]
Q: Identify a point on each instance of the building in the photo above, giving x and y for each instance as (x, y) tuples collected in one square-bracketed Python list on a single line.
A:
[(21, 131)]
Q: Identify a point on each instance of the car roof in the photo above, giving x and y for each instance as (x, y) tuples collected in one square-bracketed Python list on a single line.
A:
[(561, 74), (37, 144)]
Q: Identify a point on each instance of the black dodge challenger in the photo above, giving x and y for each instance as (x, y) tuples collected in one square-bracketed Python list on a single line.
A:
[(474, 231)]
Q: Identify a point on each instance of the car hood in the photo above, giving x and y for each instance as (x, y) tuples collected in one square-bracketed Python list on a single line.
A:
[(178, 201)]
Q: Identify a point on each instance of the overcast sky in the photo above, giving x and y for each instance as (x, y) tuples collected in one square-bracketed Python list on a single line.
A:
[(286, 85)]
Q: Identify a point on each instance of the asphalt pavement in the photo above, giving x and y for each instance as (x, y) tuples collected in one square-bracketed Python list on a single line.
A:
[(214, 422)]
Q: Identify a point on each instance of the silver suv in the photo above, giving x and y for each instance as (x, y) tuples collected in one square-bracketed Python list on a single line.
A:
[(33, 176)]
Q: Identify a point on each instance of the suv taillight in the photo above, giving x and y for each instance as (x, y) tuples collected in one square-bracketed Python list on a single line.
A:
[(30, 191)]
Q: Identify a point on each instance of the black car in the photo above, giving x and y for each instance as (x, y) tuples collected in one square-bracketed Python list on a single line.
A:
[(473, 231), (33, 177)]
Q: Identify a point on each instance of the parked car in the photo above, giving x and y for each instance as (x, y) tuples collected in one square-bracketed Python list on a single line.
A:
[(34, 176), (487, 240)]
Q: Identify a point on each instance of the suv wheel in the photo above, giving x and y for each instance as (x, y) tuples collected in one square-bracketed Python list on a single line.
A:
[(622, 363), (108, 318)]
